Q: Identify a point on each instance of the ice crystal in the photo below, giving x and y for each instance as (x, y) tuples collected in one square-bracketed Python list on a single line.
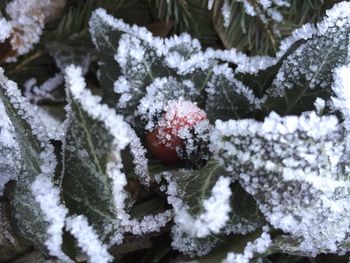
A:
[(35, 195), (215, 213), (35, 93), (122, 134), (10, 155), (266, 10), (88, 240), (27, 21), (308, 70), (55, 214), (258, 246), (5, 29), (295, 169), (153, 104)]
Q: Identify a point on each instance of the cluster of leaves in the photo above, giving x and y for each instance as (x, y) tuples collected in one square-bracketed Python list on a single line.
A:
[(89, 190)]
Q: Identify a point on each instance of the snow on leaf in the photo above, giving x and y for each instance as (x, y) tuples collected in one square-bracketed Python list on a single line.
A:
[(306, 74), (35, 222), (296, 169)]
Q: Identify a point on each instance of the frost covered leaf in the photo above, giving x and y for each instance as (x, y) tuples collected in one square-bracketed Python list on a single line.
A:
[(27, 22), (9, 152), (38, 222), (206, 205), (227, 97), (65, 55), (296, 169), (87, 185), (93, 182), (306, 74), (131, 59), (132, 55)]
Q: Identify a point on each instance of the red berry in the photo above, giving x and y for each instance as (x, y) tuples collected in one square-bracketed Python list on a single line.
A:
[(168, 138)]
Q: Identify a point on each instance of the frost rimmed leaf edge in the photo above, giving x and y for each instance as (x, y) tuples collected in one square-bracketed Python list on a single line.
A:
[(120, 131), (37, 182)]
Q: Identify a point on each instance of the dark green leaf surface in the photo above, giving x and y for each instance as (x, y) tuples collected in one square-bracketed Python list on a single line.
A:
[(87, 188)]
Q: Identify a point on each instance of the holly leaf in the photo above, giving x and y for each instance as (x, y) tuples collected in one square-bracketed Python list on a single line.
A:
[(10, 155)]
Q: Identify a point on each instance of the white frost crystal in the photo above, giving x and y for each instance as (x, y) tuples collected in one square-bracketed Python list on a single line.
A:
[(295, 169), (28, 19), (10, 155), (258, 246), (41, 185), (341, 88), (88, 240), (55, 213), (215, 213), (5, 29), (123, 136)]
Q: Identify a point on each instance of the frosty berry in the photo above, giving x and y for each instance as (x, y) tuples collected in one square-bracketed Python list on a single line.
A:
[(180, 134)]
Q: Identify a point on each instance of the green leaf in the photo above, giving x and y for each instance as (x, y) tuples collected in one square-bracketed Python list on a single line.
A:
[(195, 186), (262, 80), (306, 74), (227, 97), (189, 192), (110, 38), (36, 158), (287, 165), (89, 150), (235, 244), (131, 59)]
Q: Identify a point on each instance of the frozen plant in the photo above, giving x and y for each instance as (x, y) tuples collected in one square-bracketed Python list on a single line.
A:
[(261, 145)]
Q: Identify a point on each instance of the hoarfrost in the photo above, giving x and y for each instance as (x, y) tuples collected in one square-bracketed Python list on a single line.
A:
[(5, 29), (341, 88), (259, 246), (38, 179), (88, 240), (123, 135), (35, 93), (55, 213), (153, 104), (215, 213), (332, 39), (226, 13), (28, 20), (10, 155), (296, 170), (266, 10)]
